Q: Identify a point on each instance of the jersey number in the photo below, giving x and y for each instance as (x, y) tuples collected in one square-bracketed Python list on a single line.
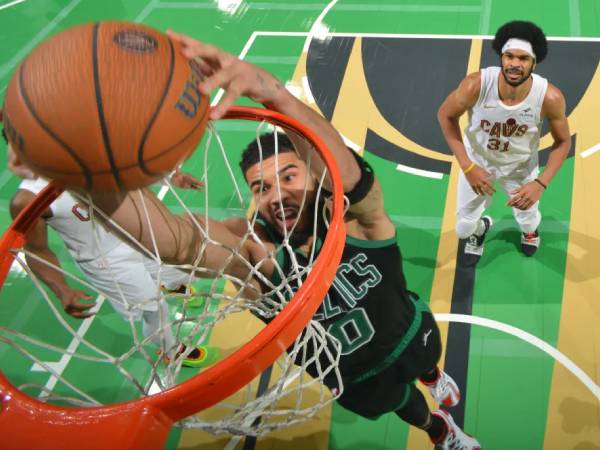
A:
[(353, 330), (497, 144), (81, 212)]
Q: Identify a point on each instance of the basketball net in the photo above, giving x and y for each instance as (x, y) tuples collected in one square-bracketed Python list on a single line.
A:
[(211, 311)]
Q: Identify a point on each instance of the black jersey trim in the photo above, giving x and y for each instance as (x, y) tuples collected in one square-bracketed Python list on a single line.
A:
[(364, 243), (365, 183), (420, 307)]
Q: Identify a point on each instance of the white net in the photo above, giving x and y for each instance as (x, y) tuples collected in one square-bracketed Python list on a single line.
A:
[(152, 319)]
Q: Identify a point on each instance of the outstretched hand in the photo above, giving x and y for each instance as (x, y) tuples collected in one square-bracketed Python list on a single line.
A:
[(72, 304), (184, 180), (222, 69), (525, 197), (480, 181)]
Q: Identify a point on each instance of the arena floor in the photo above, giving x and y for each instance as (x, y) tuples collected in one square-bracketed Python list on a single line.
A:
[(528, 360)]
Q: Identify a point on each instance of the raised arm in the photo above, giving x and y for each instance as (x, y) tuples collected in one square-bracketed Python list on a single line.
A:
[(37, 242), (183, 239), (456, 104), (238, 78)]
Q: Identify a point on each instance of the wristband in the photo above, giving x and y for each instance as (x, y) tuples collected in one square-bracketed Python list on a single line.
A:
[(468, 169), (537, 180)]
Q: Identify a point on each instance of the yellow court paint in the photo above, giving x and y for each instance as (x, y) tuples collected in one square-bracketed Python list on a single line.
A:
[(353, 121), (573, 420)]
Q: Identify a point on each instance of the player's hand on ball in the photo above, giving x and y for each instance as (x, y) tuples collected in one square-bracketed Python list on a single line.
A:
[(480, 181), (227, 71), (72, 304), (526, 196)]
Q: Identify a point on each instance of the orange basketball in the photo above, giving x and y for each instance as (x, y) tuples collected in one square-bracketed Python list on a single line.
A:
[(105, 106)]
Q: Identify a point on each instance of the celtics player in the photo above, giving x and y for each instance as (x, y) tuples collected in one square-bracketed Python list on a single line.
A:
[(388, 336), (506, 107)]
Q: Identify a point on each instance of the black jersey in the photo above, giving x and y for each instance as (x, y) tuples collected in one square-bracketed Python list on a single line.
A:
[(368, 307)]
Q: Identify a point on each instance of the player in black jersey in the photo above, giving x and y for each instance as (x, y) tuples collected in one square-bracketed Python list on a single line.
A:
[(388, 336)]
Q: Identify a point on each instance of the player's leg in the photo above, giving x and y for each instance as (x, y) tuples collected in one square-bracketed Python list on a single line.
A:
[(442, 387), (175, 283), (439, 425), (421, 356), (425, 352), (157, 325), (470, 222), (528, 220), (121, 275)]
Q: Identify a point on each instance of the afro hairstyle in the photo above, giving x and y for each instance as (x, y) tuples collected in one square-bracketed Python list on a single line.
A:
[(527, 31)]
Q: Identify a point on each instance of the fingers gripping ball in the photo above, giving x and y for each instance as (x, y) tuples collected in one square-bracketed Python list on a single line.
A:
[(105, 106)]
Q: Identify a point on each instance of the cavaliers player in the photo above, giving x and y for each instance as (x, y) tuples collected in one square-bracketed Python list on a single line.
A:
[(506, 107), (130, 280)]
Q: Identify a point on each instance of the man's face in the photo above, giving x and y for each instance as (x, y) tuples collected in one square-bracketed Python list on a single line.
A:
[(282, 211), (517, 66)]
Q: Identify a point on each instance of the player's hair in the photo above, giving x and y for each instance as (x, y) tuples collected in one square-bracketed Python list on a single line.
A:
[(528, 31), (252, 154)]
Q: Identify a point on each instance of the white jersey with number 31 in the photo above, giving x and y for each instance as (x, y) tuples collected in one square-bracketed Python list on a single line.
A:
[(504, 139)]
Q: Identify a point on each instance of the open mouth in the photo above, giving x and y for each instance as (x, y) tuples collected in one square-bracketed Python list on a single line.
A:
[(286, 216)]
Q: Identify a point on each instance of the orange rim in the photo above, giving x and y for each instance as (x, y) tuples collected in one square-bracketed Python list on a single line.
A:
[(145, 423)]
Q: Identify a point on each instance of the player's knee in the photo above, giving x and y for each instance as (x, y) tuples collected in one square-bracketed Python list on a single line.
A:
[(465, 227)]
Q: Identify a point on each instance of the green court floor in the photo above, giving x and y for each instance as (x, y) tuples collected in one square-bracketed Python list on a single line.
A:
[(528, 358)]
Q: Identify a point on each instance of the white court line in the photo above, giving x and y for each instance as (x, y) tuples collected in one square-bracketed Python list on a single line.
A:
[(529, 338), (415, 36), (8, 5), (7, 67), (317, 26), (358, 7), (60, 365), (146, 11), (590, 151), (420, 172), (242, 55)]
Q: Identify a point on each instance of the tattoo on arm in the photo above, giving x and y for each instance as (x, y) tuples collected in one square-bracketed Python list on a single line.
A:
[(268, 88)]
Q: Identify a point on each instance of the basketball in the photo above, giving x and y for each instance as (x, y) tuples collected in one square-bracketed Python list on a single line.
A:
[(105, 106)]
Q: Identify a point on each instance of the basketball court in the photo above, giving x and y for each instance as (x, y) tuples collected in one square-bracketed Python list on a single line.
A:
[(521, 333)]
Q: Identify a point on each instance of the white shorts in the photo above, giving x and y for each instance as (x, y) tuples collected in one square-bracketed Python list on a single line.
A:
[(470, 206), (130, 280)]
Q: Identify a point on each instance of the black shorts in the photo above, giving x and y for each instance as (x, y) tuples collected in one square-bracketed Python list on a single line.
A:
[(388, 390)]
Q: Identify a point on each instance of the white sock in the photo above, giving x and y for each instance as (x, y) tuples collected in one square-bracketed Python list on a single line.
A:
[(155, 324), (480, 228)]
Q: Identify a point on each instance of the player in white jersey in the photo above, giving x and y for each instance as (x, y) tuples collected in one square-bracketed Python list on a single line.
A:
[(130, 280), (506, 107)]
